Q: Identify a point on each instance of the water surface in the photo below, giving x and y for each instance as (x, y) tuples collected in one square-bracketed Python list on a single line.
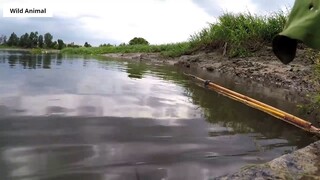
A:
[(78, 117)]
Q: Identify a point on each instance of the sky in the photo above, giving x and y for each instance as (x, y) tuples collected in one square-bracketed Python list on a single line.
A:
[(118, 21)]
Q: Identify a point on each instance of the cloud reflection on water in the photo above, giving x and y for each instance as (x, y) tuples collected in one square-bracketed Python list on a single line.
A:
[(96, 89)]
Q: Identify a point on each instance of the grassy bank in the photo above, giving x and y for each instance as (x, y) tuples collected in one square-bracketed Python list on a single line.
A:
[(31, 50), (239, 34), (7, 47), (168, 50), (236, 34)]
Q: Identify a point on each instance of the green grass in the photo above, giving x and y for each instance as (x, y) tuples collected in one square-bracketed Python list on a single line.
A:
[(313, 106), (36, 51), (7, 47), (244, 33), (168, 50), (316, 98), (31, 50)]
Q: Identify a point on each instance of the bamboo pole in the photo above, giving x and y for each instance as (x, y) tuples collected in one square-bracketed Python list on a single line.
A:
[(289, 118)]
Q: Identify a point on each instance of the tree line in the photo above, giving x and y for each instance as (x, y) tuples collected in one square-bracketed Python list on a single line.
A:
[(34, 40)]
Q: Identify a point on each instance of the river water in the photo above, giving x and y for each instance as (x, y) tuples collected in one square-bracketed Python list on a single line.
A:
[(81, 117)]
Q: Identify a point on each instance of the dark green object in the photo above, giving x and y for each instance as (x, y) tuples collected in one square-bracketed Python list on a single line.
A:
[(303, 25)]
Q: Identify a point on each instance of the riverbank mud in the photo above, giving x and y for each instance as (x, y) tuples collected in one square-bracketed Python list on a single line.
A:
[(262, 67)]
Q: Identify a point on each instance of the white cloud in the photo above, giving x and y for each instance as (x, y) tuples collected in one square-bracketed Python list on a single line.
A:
[(237, 6), (159, 21)]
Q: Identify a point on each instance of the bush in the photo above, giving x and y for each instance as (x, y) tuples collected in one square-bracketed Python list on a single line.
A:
[(138, 40)]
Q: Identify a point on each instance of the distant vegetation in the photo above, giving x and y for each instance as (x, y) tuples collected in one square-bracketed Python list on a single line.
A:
[(234, 35), (138, 41), (168, 50), (86, 44), (34, 40)]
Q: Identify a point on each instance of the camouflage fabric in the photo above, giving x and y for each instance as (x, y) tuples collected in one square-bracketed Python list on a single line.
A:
[(303, 25)]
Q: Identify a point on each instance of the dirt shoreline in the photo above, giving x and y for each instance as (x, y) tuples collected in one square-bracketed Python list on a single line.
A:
[(263, 67)]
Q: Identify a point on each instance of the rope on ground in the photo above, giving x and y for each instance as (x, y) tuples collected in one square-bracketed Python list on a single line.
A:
[(296, 121)]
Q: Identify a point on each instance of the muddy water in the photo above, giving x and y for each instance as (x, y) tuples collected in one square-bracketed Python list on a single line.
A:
[(68, 117)]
